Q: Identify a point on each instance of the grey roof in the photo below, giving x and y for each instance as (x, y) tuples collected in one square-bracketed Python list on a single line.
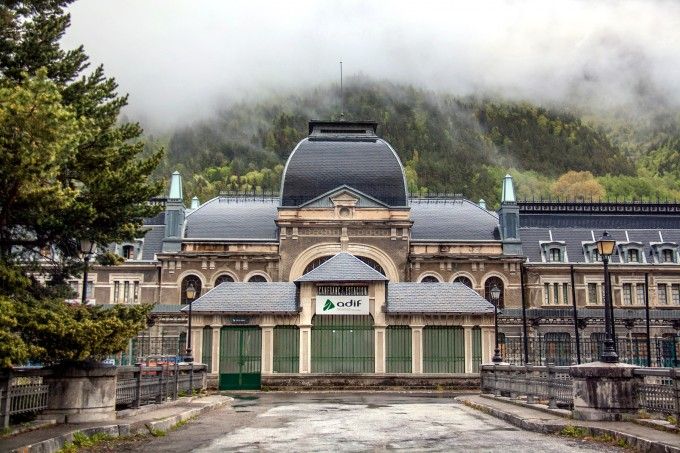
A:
[(158, 219), (452, 220), (435, 298), (153, 242), (599, 221), (248, 297), (234, 218), (343, 267), (320, 164), (164, 309), (574, 238)]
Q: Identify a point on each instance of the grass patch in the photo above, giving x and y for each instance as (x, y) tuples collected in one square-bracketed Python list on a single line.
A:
[(157, 432), (81, 440), (574, 431)]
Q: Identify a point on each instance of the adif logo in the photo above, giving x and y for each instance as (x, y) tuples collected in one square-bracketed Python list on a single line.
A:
[(328, 305)]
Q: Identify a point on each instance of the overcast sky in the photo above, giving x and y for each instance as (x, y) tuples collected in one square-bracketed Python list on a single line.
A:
[(180, 59)]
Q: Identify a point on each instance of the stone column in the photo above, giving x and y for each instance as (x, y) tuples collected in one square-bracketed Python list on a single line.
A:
[(267, 349), (604, 391), (488, 344), (417, 346), (216, 328), (468, 348), (380, 353), (197, 343), (305, 349)]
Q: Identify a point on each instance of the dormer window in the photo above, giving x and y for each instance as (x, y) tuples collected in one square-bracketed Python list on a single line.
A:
[(666, 252), (591, 253), (554, 252), (631, 252), (129, 252)]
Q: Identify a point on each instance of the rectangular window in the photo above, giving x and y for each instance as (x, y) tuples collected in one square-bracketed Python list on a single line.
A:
[(661, 294), (668, 256), (633, 256), (126, 292), (565, 293), (592, 294), (595, 254), (116, 292), (556, 255), (556, 293), (675, 294), (640, 294), (546, 291), (627, 294), (89, 289), (136, 293)]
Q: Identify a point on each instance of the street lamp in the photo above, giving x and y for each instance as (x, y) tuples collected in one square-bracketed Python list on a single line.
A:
[(605, 247), (86, 247), (495, 292), (191, 294)]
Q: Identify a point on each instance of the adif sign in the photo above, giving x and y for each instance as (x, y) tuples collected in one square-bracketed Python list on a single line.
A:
[(342, 305)]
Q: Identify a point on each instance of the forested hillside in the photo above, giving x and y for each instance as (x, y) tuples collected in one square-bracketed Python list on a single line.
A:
[(447, 144)]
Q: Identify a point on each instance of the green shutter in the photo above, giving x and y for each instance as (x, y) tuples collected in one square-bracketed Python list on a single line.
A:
[(206, 355), (476, 348), (286, 349), (443, 349), (343, 344), (398, 349)]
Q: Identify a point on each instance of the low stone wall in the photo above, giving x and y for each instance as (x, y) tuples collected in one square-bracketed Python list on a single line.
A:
[(370, 381)]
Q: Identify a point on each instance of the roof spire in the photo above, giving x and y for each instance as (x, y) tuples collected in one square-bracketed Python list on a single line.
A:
[(176, 186), (195, 202), (508, 194)]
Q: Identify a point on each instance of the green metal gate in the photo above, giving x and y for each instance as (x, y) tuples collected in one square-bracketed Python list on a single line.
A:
[(398, 349), (286, 349), (206, 352), (240, 357), (476, 348), (443, 349), (343, 344)]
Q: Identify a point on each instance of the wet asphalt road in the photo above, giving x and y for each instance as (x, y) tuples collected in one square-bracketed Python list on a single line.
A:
[(321, 422)]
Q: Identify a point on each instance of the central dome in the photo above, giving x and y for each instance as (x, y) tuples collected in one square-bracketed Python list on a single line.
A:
[(343, 153)]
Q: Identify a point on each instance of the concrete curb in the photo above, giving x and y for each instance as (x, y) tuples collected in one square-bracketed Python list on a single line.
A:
[(541, 426), (123, 429)]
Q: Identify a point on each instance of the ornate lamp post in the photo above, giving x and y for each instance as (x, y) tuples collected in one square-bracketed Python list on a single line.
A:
[(191, 294), (86, 247), (605, 247), (495, 293)]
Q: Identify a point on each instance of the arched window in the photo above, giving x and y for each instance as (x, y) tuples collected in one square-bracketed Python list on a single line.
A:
[(257, 278), (195, 282), (490, 283), (464, 280), (429, 279), (224, 278), (319, 261)]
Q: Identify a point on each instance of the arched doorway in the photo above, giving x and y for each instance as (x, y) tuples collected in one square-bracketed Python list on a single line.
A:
[(490, 283)]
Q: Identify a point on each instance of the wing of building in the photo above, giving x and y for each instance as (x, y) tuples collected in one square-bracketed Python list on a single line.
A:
[(344, 272)]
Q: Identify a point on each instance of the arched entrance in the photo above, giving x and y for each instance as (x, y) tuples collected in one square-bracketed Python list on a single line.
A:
[(343, 344)]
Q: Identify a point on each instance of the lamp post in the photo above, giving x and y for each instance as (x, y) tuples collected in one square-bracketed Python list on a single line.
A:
[(495, 292), (605, 247), (86, 247), (191, 294)]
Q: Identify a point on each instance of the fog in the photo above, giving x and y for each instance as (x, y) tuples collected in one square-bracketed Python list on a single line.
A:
[(180, 60)]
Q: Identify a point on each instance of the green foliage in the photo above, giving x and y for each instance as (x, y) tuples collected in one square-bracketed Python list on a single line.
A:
[(81, 440), (574, 431)]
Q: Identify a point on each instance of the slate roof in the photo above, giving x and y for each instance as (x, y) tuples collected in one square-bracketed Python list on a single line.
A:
[(452, 220), (320, 164), (435, 298), (234, 218), (248, 297), (165, 309), (575, 237), (153, 242), (343, 267)]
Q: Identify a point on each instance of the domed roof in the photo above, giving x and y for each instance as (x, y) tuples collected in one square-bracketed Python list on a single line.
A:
[(343, 153)]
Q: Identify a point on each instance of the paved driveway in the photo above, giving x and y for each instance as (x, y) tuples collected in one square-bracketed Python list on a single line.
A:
[(290, 423)]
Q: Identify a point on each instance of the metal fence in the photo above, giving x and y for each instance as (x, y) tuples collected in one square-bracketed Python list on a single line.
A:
[(659, 392), (22, 391), (551, 385), (664, 352), (141, 385), (144, 346)]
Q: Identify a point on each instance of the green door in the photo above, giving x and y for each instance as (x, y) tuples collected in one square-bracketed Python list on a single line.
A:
[(286, 349), (240, 358), (206, 355), (443, 349), (343, 344), (398, 342), (476, 348)]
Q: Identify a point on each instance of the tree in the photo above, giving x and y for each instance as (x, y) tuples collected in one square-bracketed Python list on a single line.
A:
[(69, 171), (578, 184)]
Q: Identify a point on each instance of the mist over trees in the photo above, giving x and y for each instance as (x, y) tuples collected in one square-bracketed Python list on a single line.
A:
[(446, 143)]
